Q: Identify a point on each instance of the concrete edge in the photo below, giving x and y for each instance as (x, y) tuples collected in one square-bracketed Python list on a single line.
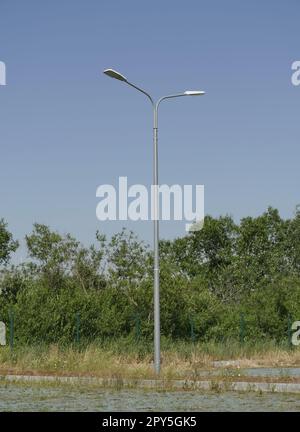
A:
[(208, 385)]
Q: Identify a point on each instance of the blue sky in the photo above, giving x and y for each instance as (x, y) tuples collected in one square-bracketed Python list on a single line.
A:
[(65, 128)]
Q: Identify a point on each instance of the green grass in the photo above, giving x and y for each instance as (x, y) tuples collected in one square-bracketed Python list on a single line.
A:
[(127, 358)]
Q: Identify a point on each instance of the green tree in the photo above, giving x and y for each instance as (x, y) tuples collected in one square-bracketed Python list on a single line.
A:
[(51, 252), (128, 259), (59, 258), (7, 244)]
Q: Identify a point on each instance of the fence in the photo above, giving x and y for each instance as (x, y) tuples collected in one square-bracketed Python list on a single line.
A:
[(243, 329)]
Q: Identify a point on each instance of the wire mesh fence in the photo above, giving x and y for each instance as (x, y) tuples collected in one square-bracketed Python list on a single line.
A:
[(194, 333)]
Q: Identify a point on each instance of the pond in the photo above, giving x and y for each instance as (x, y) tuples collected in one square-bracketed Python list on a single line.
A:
[(17, 397)]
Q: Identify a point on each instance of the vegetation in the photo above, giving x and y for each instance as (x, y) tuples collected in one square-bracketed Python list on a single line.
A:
[(227, 282), (122, 358)]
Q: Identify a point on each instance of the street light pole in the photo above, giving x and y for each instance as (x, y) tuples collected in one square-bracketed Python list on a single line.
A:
[(156, 245), (114, 74)]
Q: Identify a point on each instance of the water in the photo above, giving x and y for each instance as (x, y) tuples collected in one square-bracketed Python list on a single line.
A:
[(15, 397)]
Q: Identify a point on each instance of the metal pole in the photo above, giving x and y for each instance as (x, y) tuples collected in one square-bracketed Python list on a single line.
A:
[(156, 247), (11, 329), (116, 75), (192, 329), (77, 328), (137, 327), (242, 328), (290, 344)]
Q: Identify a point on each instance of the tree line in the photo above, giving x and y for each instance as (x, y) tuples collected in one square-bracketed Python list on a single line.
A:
[(209, 279)]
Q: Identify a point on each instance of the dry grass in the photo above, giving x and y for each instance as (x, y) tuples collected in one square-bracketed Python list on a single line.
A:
[(128, 360)]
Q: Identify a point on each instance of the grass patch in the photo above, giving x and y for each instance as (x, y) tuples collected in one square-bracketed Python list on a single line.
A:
[(125, 358)]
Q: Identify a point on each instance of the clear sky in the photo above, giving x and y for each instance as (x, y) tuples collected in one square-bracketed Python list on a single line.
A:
[(65, 128)]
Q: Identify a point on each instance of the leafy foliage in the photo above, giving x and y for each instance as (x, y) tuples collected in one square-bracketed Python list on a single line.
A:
[(7, 243), (208, 279)]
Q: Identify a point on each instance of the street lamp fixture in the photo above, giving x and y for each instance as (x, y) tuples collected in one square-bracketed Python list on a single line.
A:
[(114, 74), (117, 75)]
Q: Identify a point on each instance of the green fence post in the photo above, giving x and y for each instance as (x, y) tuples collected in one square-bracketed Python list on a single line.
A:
[(77, 328), (242, 328), (192, 329), (137, 327), (11, 329), (290, 332)]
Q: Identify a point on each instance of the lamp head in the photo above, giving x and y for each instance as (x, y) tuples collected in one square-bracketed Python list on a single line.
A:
[(194, 93), (114, 74)]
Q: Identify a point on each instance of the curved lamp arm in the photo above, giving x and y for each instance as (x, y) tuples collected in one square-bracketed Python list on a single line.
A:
[(117, 75), (141, 90), (160, 100), (168, 97)]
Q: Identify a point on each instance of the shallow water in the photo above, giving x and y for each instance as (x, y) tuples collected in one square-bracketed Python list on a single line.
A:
[(14, 397)]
